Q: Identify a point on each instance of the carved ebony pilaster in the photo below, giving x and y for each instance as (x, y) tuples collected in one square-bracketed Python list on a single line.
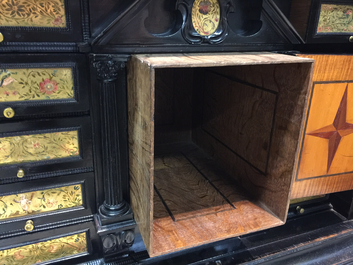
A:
[(109, 104)]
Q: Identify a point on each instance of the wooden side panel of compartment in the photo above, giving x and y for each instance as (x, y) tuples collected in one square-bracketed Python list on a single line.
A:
[(326, 156), (264, 202)]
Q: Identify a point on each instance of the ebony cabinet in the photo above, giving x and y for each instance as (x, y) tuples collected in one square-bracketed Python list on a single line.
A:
[(47, 184), (90, 115)]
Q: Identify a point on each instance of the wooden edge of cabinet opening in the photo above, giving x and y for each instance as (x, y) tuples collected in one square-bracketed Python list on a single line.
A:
[(213, 142)]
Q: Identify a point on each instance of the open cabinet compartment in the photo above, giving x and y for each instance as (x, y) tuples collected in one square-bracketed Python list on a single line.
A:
[(213, 142)]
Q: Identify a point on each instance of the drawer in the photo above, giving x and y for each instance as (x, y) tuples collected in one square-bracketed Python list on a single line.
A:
[(62, 244), (46, 202), (40, 21), (40, 85), (212, 155), (45, 148), (318, 21)]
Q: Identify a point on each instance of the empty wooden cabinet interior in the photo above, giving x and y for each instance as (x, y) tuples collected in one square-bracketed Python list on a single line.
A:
[(161, 126)]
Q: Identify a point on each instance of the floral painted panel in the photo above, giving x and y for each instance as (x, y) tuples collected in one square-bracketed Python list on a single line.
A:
[(32, 13), (335, 19), (45, 251), (38, 147), (36, 84), (205, 16), (36, 202)]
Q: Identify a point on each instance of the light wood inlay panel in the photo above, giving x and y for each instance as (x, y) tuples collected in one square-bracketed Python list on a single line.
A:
[(328, 140), (326, 162)]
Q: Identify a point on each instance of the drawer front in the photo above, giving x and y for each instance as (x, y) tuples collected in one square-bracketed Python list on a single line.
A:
[(45, 203), (31, 88), (39, 147), (63, 247), (40, 20), (41, 201), (48, 247), (38, 13), (329, 22), (46, 146)]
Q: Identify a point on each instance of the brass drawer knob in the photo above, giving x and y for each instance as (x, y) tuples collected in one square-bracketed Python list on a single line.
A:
[(9, 113), (20, 173), (29, 226), (1, 37), (351, 39)]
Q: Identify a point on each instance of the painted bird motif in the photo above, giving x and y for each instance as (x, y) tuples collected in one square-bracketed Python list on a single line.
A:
[(5, 78)]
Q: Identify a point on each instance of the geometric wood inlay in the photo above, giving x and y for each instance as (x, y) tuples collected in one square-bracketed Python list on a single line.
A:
[(335, 131), (328, 139)]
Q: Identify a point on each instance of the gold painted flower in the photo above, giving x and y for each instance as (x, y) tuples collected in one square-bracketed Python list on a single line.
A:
[(205, 7), (18, 255), (51, 203), (57, 21), (48, 86), (15, 9)]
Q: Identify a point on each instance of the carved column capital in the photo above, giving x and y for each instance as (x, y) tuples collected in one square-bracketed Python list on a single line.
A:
[(108, 70)]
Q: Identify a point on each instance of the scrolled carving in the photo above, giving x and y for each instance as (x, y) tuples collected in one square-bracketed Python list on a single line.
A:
[(108, 70), (217, 10), (118, 241)]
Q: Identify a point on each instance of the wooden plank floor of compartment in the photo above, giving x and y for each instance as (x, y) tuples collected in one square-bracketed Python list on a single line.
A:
[(196, 202)]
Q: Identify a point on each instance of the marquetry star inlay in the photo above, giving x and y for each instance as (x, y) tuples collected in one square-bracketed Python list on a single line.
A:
[(336, 131)]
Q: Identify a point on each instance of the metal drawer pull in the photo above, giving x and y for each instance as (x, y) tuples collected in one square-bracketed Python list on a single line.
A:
[(9, 113), (20, 173), (1, 37), (29, 226)]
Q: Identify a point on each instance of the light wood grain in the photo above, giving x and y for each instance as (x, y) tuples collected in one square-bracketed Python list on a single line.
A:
[(331, 67), (217, 59), (169, 236), (270, 188), (261, 199), (186, 192), (141, 145), (242, 109), (323, 171)]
